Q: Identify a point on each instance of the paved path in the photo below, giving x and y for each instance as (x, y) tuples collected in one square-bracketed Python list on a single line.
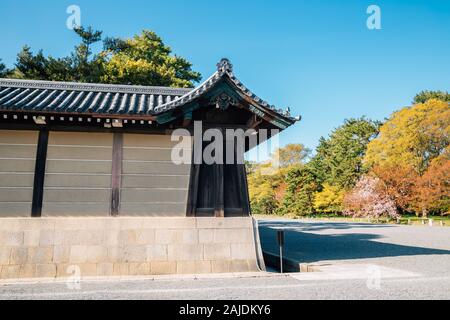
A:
[(424, 250), (360, 262), (290, 287)]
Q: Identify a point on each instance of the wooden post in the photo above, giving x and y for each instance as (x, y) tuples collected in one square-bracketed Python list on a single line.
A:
[(191, 210), (39, 174), (116, 174)]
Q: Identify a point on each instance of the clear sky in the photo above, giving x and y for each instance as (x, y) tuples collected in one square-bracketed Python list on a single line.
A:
[(316, 56)]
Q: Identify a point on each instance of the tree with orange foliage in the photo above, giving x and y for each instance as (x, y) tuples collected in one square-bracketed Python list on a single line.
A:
[(431, 192), (399, 183)]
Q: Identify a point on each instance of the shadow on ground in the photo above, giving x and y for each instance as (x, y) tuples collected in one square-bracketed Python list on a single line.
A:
[(305, 246)]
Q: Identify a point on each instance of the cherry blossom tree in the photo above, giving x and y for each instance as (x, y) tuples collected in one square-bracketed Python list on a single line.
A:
[(369, 198)]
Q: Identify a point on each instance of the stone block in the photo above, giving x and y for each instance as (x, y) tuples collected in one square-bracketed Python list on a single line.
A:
[(11, 239), (80, 224), (128, 223), (96, 254), (27, 271), (115, 254), (105, 269), (242, 266), (111, 238), (135, 254), (243, 251), (217, 251), (5, 254), (121, 269), (65, 237), (168, 223), (145, 236), (206, 236), (128, 237), (32, 238), (40, 255), (63, 271), (78, 254), (61, 254), (47, 238), (163, 267), (220, 266), (19, 256), (88, 269), (157, 253), (10, 272), (90, 237), (233, 236), (79, 237), (226, 223), (27, 224), (185, 252), (193, 267), (46, 271), (139, 269), (179, 236), (9, 225)]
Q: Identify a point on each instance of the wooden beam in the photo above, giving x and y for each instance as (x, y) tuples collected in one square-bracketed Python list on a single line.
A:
[(191, 210), (243, 189), (116, 173), (219, 186), (39, 174), (253, 122)]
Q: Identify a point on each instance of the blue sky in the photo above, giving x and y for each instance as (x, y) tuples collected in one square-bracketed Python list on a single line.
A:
[(315, 56)]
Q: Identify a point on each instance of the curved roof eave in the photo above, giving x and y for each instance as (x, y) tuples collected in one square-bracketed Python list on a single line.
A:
[(224, 71)]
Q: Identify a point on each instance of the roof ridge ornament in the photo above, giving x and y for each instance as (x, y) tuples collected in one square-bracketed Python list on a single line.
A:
[(224, 65)]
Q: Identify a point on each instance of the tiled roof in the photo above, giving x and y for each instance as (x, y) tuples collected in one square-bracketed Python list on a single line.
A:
[(80, 98), (65, 97)]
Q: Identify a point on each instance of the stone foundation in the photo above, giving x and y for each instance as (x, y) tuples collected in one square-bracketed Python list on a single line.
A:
[(104, 247)]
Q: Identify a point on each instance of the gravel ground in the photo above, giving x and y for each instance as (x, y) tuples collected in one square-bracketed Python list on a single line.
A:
[(414, 263)]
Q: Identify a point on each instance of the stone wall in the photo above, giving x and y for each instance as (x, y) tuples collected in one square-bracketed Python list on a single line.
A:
[(52, 247)]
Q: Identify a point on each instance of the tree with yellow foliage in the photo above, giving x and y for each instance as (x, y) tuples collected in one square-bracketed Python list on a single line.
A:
[(411, 156), (329, 200), (413, 136)]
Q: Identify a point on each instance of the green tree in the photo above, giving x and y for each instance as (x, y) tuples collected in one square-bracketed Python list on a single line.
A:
[(3, 70), (426, 95), (86, 67), (339, 158), (145, 60), (88, 38), (292, 154), (141, 60), (262, 189), (301, 187)]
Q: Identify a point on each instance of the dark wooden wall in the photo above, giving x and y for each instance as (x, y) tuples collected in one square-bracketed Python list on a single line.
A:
[(218, 190)]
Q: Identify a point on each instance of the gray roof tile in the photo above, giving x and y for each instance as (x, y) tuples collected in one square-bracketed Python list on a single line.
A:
[(78, 98)]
